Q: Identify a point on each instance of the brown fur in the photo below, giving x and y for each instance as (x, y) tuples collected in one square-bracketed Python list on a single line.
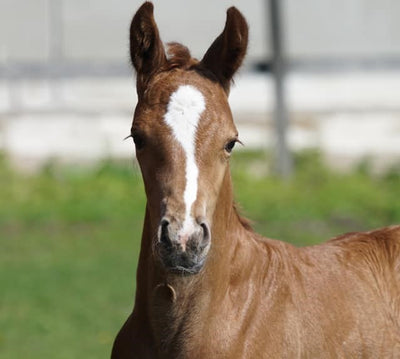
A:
[(255, 297), (179, 57)]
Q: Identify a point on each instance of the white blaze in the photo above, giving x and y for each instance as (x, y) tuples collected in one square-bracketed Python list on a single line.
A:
[(185, 107)]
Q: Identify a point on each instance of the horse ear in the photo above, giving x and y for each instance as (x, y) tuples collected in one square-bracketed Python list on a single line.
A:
[(227, 52), (146, 48)]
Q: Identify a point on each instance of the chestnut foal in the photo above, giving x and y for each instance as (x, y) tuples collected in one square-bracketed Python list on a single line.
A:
[(207, 285)]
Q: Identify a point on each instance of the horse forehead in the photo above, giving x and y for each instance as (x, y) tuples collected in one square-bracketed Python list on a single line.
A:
[(170, 95), (166, 84), (185, 107)]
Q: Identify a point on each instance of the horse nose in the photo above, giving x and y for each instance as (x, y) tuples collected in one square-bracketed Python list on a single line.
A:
[(198, 239), (171, 235), (183, 247)]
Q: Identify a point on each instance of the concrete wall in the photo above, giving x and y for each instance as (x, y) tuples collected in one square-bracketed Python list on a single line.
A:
[(23, 30), (96, 31), (343, 28)]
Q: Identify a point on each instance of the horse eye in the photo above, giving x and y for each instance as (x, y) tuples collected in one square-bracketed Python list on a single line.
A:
[(139, 141), (229, 146)]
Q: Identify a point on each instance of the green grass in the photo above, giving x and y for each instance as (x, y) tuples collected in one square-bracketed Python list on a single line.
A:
[(70, 239), (316, 203)]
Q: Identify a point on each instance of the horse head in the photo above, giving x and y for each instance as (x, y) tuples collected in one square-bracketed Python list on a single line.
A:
[(184, 134)]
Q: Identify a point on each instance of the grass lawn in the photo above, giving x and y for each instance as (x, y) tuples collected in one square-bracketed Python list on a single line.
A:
[(70, 239)]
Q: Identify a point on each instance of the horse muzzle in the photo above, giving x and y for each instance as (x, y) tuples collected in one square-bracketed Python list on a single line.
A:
[(183, 247)]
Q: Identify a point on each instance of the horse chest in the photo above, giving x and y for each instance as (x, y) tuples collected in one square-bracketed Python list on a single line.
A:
[(204, 327)]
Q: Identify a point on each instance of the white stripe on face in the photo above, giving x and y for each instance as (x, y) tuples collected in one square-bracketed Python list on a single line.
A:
[(185, 107)]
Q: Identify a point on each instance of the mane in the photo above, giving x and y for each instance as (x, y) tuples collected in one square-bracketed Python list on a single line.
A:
[(178, 56)]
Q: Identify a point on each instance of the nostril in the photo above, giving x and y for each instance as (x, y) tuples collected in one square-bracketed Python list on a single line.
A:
[(164, 236), (164, 222), (206, 232)]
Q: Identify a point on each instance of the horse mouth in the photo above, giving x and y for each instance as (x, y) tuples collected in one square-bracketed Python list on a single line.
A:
[(181, 263), (186, 271)]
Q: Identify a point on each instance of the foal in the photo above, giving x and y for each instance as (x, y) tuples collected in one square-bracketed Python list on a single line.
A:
[(207, 285)]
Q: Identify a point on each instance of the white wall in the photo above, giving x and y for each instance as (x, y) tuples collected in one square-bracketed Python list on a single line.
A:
[(97, 30)]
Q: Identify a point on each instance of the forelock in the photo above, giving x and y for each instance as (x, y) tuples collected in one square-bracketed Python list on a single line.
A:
[(178, 56)]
